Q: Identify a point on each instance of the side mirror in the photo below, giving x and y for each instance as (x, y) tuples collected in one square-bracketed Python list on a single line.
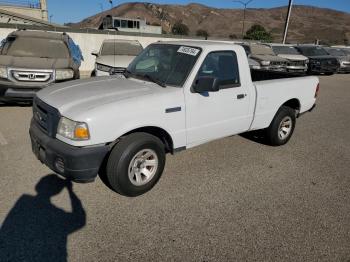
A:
[(94, 53), (206, 84)]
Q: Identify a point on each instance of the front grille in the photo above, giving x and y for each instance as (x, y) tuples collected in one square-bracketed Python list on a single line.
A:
[(46, 117), (278, 63), (31, 76), (296, 63), (117, 70)]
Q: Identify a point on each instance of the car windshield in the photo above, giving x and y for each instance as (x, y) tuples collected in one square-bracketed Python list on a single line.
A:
[(313, 51), (167, 64), (346, 50), (335, 52), (285, 50), (261, 50), (36, 47), (121, 48)]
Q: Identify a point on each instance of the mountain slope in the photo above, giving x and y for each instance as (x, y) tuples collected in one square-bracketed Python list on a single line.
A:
[(307, 23)]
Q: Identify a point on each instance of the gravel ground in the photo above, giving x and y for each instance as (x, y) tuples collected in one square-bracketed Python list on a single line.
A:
[(230, 200)]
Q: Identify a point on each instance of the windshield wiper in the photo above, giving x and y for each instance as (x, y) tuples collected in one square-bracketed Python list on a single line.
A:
[(153, 79), (127, 73)]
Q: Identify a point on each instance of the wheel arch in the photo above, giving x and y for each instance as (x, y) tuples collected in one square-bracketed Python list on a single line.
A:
[(159, 132), (293, 103)]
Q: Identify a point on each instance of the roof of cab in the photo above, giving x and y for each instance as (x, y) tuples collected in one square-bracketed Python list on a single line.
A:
[(199, 43), (38, 34)]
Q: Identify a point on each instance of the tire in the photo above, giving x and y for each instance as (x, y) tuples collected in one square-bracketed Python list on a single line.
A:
[(274, 134), (135, 164)]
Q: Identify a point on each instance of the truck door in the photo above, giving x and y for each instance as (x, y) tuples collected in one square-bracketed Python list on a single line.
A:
[(214, 115)]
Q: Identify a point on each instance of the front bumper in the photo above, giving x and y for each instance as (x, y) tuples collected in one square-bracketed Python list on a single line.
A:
[(13, 92), (323, 69), (80, 164), (344, 69)]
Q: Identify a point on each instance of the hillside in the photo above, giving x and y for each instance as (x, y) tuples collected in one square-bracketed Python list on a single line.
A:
[(307, 23)]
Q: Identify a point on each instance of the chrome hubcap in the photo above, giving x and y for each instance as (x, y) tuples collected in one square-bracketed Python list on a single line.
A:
[(143, 167), (285, 127)]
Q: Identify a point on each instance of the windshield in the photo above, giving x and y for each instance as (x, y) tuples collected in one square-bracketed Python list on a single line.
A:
[(346, 51), (120, 48), (261, 50), (285, 50), (36, 47), (169, 64), (313, 51), (335, 52)]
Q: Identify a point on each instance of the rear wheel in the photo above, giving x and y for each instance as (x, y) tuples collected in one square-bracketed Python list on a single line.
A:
[(282, 127), (135, 164)]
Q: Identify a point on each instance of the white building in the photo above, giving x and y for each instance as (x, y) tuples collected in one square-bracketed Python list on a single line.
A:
[(129, 25)]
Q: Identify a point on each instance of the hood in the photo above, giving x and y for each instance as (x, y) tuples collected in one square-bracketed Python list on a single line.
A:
[(84, 95), (322, 57), (115, 61), (293, 57), (268, 58), (34, 62)]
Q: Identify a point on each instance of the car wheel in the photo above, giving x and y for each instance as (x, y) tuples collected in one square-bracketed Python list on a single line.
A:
[(135, 164), (282, 127)]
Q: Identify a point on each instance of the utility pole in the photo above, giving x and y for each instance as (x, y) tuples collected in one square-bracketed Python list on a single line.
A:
[(290, 5), (111, 2), (245, 4)]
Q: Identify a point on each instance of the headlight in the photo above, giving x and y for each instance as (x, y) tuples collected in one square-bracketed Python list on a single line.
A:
[(62, 74), (3, 72), (265, 63), (307, 61), (103, 68), (73, 130)]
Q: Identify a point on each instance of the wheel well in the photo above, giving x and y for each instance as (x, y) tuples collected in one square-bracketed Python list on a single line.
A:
[(157, 132), (293, 103)]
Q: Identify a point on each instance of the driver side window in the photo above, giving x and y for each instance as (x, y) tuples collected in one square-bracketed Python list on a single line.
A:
[(223, 66)]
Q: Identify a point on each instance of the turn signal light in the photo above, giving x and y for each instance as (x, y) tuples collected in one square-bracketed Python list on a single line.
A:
[(81, 132)]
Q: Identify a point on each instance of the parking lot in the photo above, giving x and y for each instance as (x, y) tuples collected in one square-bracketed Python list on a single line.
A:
[(230, 200)]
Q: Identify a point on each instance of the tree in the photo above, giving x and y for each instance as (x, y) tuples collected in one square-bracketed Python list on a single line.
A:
[(233, 36), (258, 32), (180, 29), (202, 33)]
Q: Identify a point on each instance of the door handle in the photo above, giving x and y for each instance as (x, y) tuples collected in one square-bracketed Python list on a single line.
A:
[(241, 96)]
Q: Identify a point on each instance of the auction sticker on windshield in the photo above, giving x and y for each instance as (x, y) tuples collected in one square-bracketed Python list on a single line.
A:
[(188, 50)]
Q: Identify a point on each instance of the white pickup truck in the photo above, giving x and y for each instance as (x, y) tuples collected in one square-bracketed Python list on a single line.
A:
[(176, 95)]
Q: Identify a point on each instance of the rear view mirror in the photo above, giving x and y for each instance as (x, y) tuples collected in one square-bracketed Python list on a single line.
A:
[(206, 84), (94, 53)]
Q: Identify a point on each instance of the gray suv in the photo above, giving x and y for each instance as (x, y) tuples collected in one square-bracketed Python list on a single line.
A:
[(32, 60)]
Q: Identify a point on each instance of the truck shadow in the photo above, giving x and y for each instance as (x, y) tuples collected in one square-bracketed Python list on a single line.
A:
[(37, 230), (257, 136)]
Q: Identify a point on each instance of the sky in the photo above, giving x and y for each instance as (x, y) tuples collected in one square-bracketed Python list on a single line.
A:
[(64, 11)]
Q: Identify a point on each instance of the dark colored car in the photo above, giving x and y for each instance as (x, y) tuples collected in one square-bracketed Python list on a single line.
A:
[(320, 62), (342, 56), (32, 60)]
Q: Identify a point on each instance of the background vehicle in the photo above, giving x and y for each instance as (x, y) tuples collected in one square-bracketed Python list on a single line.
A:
[(32, 60), (265, 56), (196, 93), (342, 56), (320, 62), (115, 56), (297, 63)]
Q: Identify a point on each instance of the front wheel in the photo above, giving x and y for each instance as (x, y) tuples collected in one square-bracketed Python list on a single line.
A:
[(282, 127), (135, 164)]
